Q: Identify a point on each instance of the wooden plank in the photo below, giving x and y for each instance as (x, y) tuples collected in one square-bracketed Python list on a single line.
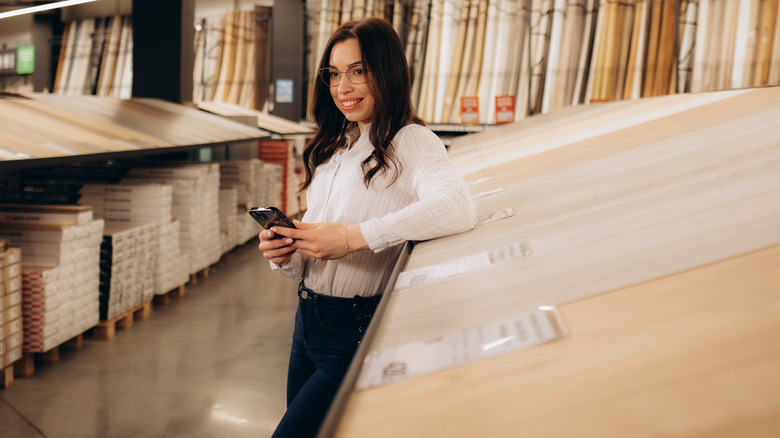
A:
[(227, 64), (688, 24), (472, 84), (585, 53), (744, 45), (632, 87), (450, 46), (653, 48), (702, 49), (774, 70), (449, 96), (571, 38), (593, 84), (766, 36), (427, 104), (667, 50), (122, 87), (725, 64), (25, 367), (465, 68), (62, 59), (624, 33), (7, 377), (110, 56), (68, 48), (540, 37)]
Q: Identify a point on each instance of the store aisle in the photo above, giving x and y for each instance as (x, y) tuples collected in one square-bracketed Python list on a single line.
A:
[(212, 363)]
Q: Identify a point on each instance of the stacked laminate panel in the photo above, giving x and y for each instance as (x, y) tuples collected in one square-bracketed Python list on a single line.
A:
[(128, 205), (257, 183), (652, 226), (280, 152), (228, 218), (60, 271), (195, 205), (127, 254), (10, 306)]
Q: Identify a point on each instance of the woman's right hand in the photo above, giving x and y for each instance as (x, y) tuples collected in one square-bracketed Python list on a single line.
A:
[(279, 250)]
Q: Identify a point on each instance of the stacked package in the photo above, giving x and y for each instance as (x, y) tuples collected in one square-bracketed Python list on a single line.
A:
[(228, 219), (148, 206), (11, 335), (60, 265), (280, 152), (195, 205), (258, 183), (127, 254)]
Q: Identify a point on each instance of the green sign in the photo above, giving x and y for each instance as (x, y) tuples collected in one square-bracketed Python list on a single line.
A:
[(25, 60)]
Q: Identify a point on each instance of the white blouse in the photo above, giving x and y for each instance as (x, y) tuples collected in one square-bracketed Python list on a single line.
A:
[(429, 199)]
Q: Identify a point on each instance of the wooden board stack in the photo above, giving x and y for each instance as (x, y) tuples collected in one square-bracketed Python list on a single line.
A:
[(195, 205), (656, 238), (10, 311), (124, 205), (257, 183), (127, 255)]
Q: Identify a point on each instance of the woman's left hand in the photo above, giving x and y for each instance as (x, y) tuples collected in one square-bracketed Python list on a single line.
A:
[(323, 241)]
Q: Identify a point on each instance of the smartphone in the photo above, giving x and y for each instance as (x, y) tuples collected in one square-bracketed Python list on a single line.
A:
[(269, 217)]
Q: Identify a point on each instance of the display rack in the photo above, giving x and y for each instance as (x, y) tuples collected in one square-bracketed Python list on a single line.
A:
[(649, 226), (44, 129)]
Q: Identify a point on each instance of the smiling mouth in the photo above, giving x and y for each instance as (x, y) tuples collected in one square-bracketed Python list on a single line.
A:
[(350, 103)]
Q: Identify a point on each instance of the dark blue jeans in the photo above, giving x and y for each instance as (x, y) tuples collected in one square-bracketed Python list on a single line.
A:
[(327, 333)]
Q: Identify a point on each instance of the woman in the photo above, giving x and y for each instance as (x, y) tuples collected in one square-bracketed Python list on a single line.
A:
[(375, 178)]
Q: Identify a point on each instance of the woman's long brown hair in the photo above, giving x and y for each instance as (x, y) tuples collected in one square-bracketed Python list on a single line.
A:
[(384, 58)]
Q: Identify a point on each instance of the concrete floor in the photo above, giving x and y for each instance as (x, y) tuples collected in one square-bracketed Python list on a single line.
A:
[(212, 363)]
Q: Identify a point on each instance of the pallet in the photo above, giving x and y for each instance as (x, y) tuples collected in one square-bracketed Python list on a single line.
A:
[(25, 366), (7, 377), (106, 330), (166, 297), (203, 273)]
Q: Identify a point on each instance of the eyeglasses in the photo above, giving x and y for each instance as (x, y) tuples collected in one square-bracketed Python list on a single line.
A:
[(332, 77)]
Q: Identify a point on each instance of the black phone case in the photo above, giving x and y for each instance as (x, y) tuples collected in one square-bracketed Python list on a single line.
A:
[(269, 217)]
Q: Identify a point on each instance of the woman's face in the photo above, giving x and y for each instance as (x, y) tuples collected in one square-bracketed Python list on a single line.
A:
[(354, 100)]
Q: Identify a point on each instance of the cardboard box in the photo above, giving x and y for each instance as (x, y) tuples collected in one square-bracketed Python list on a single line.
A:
[(125, 191), (12, 285), (18, 233), (13, 355), (8, 272), (13, 341), (43, 214), (10, 300)]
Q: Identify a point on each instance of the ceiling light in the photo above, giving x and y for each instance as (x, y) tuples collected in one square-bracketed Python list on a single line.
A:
[(39, 8)]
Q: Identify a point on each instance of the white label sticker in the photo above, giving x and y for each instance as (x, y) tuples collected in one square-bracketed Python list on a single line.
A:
[(394, 364), (417, 277)]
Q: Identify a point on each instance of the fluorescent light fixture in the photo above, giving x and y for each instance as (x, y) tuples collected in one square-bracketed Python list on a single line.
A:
[(39, 8)]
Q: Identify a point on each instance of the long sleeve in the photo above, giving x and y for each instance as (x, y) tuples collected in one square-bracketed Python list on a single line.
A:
[(444, 206), (293, 269), (428, 199)]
